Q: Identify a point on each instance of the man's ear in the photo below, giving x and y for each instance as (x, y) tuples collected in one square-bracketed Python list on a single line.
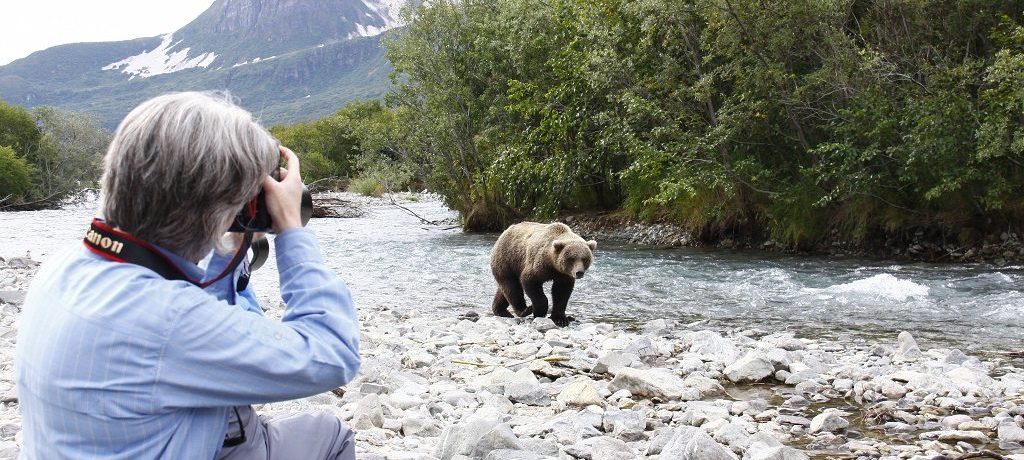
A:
[(592, 244), (559, 245)]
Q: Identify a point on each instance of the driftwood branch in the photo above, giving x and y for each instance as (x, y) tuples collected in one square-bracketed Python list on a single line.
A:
[(413, 213), (335, 207), (314, 185), (47, 201)]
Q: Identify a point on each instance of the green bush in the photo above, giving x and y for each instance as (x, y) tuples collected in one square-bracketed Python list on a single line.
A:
[(367, 186), (15, 177)]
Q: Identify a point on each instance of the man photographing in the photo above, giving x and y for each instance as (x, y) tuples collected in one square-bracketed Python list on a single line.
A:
[(128, 349)]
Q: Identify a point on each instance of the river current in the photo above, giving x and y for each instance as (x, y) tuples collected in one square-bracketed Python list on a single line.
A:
[(390, 258)]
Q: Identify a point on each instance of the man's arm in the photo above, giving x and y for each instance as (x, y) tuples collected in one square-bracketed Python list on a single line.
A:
[(218, 355)]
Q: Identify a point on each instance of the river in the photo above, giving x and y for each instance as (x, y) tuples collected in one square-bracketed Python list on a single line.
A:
[(390, 258)]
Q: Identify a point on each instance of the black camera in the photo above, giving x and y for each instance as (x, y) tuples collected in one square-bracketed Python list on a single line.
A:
[(254, 217)]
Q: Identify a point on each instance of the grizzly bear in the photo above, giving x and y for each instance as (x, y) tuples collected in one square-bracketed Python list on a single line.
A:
[(529, 254)]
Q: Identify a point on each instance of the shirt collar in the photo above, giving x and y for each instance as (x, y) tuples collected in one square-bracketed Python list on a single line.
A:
[(187, 267)]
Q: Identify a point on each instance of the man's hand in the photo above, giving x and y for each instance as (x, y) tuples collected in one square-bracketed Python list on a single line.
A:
[(284, 197)]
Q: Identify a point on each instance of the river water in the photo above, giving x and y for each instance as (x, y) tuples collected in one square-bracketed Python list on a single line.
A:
[(391, 258)]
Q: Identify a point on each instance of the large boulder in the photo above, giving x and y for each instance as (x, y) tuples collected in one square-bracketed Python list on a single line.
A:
[(752, 367), (652, 383), (462, 438)]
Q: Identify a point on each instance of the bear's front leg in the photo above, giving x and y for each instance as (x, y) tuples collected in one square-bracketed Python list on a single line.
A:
[(535, 291), (561, 289)]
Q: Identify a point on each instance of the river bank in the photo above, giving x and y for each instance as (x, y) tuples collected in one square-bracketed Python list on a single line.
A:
[(1004, 248), (436, 386)]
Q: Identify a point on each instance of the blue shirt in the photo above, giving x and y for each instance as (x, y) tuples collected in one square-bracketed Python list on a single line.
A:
[(115, 362)]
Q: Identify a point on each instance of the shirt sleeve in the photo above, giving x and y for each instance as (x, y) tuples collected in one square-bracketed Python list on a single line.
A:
[(218, 354)]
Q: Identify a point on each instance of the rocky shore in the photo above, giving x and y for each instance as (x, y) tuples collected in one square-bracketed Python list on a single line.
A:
[(477, 386)]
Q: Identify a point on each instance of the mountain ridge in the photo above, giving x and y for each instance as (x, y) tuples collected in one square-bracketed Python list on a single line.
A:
[(289, 60)]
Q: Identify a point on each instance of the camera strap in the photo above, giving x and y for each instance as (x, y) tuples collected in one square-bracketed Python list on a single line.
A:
[(118, 246)]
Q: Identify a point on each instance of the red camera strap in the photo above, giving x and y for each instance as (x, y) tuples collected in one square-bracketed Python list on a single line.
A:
[(118, 246)]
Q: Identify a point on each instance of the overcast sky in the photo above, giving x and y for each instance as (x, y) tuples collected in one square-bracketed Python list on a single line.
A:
[(33, 25)]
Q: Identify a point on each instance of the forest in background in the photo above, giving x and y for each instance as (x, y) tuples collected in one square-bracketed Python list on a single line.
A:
[(794, 120), (48, 157)]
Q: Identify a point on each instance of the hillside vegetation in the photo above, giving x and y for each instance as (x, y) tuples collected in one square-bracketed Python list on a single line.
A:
[(47, 156), (794, 120)]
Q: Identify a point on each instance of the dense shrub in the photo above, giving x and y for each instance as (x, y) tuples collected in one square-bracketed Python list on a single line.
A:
[(796, 120)]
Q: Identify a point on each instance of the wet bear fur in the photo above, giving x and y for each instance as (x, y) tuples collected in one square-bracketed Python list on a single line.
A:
[(529, 254)]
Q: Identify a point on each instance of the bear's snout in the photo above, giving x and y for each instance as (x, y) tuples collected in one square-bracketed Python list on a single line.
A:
[(579, 274)]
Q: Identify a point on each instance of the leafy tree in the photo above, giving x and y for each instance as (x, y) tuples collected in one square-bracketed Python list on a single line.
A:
[(17, 129), (15, 180), (69, 157)]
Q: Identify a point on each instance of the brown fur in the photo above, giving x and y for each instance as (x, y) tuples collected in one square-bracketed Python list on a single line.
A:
[(529, 254)]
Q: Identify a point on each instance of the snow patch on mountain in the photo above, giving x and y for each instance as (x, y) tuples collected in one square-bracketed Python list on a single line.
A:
[(161, 60), (387, 10), (254, 61)]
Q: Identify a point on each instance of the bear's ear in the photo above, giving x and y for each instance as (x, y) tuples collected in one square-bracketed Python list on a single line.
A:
[(592, 244), (559, 245)]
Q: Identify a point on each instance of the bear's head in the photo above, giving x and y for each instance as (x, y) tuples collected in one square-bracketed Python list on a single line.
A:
[(573, 256)]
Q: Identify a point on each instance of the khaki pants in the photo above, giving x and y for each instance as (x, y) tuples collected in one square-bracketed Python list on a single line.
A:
[(313, 436)]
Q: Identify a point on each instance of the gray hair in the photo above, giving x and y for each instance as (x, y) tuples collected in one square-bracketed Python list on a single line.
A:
[(180, 165)]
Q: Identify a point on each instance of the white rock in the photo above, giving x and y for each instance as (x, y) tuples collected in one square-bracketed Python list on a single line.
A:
[(752, 367), (642, 347), (543, 324), (459, 398), (972, 437), (527, 392), (732, 434), (368, 413), (499, 437), (572, 427), (970, 380), (953, 421), (829, 421), (463, 437), (511, 454), (624, 424), (692, 443), (706, 386), (689, 364), (607, 448), (649, 383), (581, 393), (893, 390), (776, 453), (658, 327), (612, 362), (417, 425), (1009, 432), (907, 347), (498, 377), (955, 356), (712, 345), (417, 358)]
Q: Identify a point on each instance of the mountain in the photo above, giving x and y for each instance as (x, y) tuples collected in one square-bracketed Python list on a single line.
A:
[(285, 60)]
